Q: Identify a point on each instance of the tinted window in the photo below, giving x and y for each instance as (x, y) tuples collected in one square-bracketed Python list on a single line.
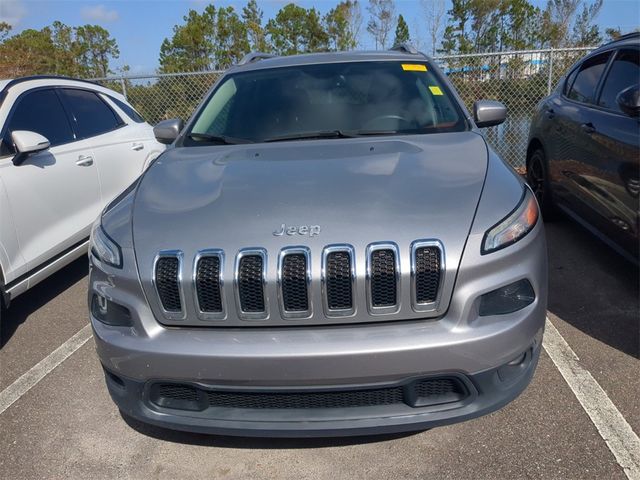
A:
[(92, 116), (584, 86), (41, 112), (624, 72), (128, 109), (570, 79), (385, 97)]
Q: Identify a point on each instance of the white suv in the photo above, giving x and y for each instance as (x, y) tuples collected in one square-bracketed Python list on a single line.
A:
[(67, 148)]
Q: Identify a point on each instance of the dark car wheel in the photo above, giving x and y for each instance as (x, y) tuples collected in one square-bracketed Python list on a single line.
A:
[(538, 180)]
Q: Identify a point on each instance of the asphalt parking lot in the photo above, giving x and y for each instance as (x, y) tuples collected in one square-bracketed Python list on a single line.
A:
[(66, 426)]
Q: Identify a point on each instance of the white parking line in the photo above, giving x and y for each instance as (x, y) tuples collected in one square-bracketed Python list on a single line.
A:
[(611, 425), (36, 373)]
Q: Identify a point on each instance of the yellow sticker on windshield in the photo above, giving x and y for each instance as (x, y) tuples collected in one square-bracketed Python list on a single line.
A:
[(414, 67), (435, 90)]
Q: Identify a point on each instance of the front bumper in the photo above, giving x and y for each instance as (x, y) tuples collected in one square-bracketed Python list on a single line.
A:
[(461, 344), (485, 393)]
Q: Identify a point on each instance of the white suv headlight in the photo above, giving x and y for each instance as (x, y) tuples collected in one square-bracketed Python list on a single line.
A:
[(104, 248), (514, 226)]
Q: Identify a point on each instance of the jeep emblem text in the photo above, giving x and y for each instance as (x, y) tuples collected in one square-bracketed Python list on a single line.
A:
[(311, 230)]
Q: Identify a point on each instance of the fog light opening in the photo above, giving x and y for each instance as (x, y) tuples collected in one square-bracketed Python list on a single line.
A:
[(507, 299), (110, 313)]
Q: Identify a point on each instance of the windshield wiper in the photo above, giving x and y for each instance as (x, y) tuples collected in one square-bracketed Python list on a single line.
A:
[(311, 135), (329, 134), (223, 139)]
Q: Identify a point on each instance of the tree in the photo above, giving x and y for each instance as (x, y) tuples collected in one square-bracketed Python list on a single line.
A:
[(402, 32), (613, 33), (5, 30), (230, 40), (520, 31), (30, 52), (485, 27), (297, 30), (95, 48), (557, 18), (456, 38), (381, 21), (191, 48), (585, 32), (342, 24), (252, 18), (84, 51), (434, 12)]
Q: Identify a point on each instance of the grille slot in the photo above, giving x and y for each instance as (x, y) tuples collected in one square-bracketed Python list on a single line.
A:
[(167, 282), (362, 398), (294, 282), (427, 272), (419, 393), (208, 283), (383, 278), (339, 280), (250, 282)]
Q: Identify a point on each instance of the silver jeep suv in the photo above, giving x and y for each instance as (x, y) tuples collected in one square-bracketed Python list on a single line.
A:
[(329, 247)]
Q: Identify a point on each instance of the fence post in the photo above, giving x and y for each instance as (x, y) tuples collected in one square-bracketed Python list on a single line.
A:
[(550, 72), (124, 87)]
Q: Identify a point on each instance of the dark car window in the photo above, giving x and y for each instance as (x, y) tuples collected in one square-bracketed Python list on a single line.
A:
[(570, 78), (41, 112), (92, 116), (370, 97), (584, 86), (128, 109), (624, 72)]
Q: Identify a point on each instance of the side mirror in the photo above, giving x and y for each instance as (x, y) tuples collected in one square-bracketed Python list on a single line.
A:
[(168, 130), (27, 143), (488, 113), (629, 100)]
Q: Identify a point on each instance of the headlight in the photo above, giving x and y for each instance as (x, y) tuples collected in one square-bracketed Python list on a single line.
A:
[(104, 248), (514, 226)]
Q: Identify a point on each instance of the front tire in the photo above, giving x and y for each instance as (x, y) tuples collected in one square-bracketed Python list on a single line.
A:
[(538, 180)]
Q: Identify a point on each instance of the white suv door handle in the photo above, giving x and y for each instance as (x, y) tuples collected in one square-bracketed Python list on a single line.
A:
[(84, 160), (137, 146)]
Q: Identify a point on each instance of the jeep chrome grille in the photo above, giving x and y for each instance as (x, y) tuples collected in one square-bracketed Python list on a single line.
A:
[(383, 277), (208, 284), (427, 267), (294, 278), (250, 279), (338, 277), (295, 288), (167, 279)]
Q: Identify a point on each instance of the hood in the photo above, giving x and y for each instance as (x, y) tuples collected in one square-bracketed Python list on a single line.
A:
[(311, 194)]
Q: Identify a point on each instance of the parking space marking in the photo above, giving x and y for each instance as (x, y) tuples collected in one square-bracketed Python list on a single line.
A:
[(611, 425), (40, 370)]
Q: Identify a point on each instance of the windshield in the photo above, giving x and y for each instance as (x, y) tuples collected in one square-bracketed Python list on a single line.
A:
[(327, 100)]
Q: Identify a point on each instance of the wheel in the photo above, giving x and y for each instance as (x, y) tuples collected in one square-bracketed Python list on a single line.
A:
[(538, 180)]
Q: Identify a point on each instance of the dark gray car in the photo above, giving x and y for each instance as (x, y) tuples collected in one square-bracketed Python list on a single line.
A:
[(584, 145), (329, 247)]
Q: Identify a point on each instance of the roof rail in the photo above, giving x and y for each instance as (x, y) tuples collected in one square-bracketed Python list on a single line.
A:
[(254, 57), (15, 81), (4, 91), (406, 48), (626, 36)]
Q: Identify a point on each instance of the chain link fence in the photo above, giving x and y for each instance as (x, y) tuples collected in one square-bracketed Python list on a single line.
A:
[(517, 79)]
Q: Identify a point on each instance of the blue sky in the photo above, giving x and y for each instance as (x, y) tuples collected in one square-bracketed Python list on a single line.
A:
[(139, 26)]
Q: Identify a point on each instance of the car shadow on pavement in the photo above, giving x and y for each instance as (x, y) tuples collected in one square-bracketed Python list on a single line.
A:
[(593, 288), (34, 299), (221, 441)]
